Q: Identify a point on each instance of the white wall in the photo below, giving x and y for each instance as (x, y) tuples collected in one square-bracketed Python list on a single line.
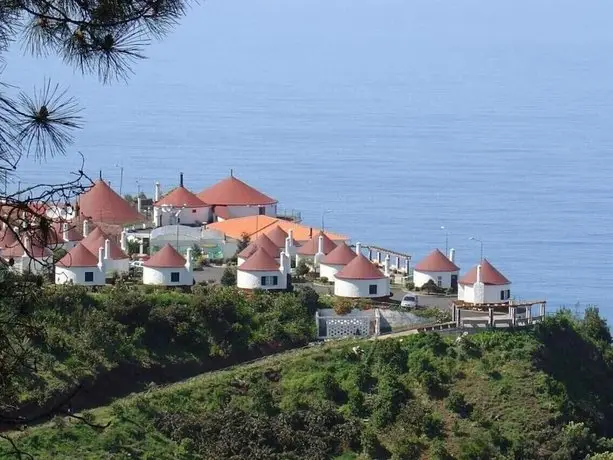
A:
[(308, 259), (421, 278), (119, 265), (161, 276), (188, 216), (360, 288), (76, 275), (244, 211), (34, 266), (328, 271), (252, 280), (491, 293)]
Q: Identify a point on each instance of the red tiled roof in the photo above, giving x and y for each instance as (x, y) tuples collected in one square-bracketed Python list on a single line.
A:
[(36, 251), (259, 261), (102, 204), (360, 268), (271, 248), (222, 211), (79, 256), (436, 261), (56, 234), (310, 247), (180, 196), (96, 239), (277, 235), (340, 255), (234, 192), (167, 257), (489, 275)]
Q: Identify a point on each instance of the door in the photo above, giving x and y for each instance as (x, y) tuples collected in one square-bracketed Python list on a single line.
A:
[(454, 282)]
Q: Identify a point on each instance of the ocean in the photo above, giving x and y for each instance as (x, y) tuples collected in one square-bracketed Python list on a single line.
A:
[(492, 119)]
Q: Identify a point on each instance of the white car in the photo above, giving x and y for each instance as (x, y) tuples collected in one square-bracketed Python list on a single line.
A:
[(136, 264), (409, 301)]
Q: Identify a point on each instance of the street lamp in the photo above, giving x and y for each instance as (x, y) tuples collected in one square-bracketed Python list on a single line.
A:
[(446, 240), (327, 211), (117, 165), (472, 238)]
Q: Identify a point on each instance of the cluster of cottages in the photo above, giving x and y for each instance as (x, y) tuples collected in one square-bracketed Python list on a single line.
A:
[(96, 230)]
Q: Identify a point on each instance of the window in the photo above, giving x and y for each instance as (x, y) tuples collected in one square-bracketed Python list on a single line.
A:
[(174, 277), (89, 277), (505, 295), (508, 294), (501, 295), (194, 211), (439, 281), (372, 289), (261, 210), (269, 280)]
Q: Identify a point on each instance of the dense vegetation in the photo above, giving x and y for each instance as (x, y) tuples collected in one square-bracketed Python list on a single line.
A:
[(86, 347), (543, 393)]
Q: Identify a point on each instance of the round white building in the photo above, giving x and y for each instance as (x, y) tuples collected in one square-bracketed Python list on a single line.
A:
[(439, 269), (115, 260), (484, 284), (336, 260), (168, 268), (361, 279), (261, 271), (81, 266)]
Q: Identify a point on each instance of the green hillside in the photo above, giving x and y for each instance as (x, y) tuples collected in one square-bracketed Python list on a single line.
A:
[(544, 393)]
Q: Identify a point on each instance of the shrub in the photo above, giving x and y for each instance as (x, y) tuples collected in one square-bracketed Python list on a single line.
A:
[(342, 306), (324, 279), (228, 278), (302, 269), (457, 403)]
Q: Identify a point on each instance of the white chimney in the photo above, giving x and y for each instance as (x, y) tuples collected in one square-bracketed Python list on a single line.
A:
[(101, 258), (107, 249), (27, 244), (139, 203), (85, 228), (452, 255), (386, 265), (157, 192), (188, 260), (284, 266), (141, 247), (320, 245), (287, 244), (290, 235), (124, 241), (65, 232), (479, 273), (358, 248)]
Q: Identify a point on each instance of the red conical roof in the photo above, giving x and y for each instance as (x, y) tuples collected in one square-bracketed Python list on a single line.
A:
[(7, 237), (96, 239), (79, 256), (277, 235), (180, 196), (436, 261), (259, 261), (102, 204), (234, 192), (360, 268), (311, 247), (36, 251), (167, 257), (489, 275), (56, 234), (340, 255), (271, 248)]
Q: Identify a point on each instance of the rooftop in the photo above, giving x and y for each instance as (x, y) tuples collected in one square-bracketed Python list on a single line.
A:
[(360, 268), (340, 255), (311, 247), (180, 196), (489, 275), (436, 261), (234, 192), (102, 204), (79, 256), (259, 261), (167, 257), (96, 239)]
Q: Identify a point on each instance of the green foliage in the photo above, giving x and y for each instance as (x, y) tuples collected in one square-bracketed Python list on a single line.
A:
[(242, 243), (58, 253), (133, 247), (302, 269), (457, 404), (228, 278), (595, 327)]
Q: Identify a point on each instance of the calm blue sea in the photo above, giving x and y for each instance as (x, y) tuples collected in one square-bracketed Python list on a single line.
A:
[(493, 119)]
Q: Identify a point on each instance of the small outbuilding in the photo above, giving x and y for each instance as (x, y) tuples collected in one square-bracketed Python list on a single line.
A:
[(439, 269), (336, 260), (361, 279), (169, 268), (115, 260), (484, 284), (313, 250), (262, 271), (81, 266), (179, 206)]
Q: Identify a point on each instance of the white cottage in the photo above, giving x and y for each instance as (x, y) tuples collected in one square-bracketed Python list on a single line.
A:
[(179, 206), (313, 250), (169, 268), (81, 266), (484, 284), (115, 260), (263, 242), (261, 271), (336, 260), (361, 279), (439, 269), (25, 257)]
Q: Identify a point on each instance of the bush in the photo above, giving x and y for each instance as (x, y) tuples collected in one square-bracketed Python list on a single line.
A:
[(228, 278), (324, 279), (302, 269), (457, 403), (342, 306)]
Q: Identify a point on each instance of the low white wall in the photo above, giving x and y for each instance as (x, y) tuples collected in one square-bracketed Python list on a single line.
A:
[(421, 278), (188, 216), (162, 276), (252, 279), (361, 288), (329, 271), (76, 275), (491, 293)]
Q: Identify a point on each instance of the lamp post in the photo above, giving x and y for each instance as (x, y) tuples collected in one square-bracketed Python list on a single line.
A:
[(117, 165), (327, 211), (472, 238), (446, 240)]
